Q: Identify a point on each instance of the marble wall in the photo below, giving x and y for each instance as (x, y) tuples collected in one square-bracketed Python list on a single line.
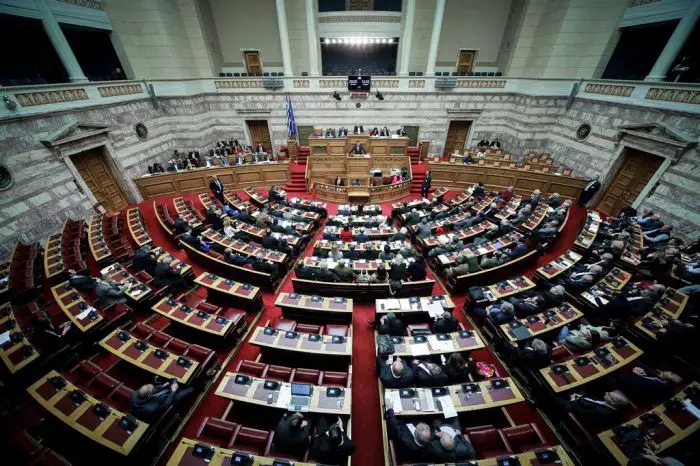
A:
[(45, 191)]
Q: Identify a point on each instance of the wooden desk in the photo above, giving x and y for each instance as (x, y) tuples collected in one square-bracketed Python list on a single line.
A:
[(256, 198), (412, 305), (258, 233), (322, 247), (467, 340), (302, 344), (306, 204), (417, 203), (4, 273), (633, 251), (432, 241), (183, 456), (465, 397), (175, 263), (306, 215), (576, 375), (74, 306), (53, 257), (535, 219), (448, 259), (107, 432), (530, 457), (237, 202), (137, 229), (359, 265), (18, 352), (203, 321), (451, 220), (123, 345), (437, 195), (197, 180), (670, 306), (673, 427), (559, 265), (461, 198), (356, 221), (460, 176), (544, 322), (340, 146), (241, 295), (484, 204), (294, 304), (96, 240), (186, 214), (372, 233), (244, 247), (589, 232), (252, 390), (136, 290), (510, 287)]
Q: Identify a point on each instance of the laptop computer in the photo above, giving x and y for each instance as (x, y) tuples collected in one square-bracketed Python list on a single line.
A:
[(301, 397)]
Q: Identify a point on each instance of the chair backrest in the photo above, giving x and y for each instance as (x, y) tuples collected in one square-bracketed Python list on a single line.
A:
[(524, 437), (281, 373), (335, 379), (252, 440), (485, 439), (253, 368), (217, 428), (309, 328), (310, 376)]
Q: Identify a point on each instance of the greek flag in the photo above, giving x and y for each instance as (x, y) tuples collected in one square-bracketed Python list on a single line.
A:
[(291, 124)]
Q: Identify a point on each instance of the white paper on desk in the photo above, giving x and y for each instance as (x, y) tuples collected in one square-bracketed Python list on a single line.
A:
[(420, 349), (391, 304), (488, 295), (591, 299), (284, 397), (4, 337), (85, 313), (435, 309), (692, 408), (395, 399), (440, 345), (448, 408)]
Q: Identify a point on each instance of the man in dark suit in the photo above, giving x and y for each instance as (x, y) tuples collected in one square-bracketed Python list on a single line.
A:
[(236, 259), (304, 272), (535, 354), (519, 250), (81, 281), (351, 253), (261, 265), (259, 148), (255, 158), (643, 386), (417, 445), (528, 306), (358, 129), (213, 219), (425, 187), (429, 374), (393, 373), (401, 131), (325, 275), (144, 260), (165, 275), (603, 413), (269, 241), (588, 191), (478, 191), (445, 323), (449, 444), (361, 237), (331, 445), (357, 148), (149, 400), (292, 434), (239, 160), (342, 132), (416, 270)]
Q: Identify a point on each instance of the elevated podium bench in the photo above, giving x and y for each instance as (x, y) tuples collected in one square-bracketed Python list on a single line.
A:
[(361, 291)]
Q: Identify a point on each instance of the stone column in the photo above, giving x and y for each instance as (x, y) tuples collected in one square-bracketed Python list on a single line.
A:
[(675, 43), (284, 37), (53, 31), (407, 35), (312, 37), (435, 37)]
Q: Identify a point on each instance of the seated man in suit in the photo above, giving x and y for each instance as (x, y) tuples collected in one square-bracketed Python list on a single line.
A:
[(292, 434), (259, 148), (451, 446), (393, 373), (261, 265), (110, 293), (212, 218), (331, 445), (602, 414), (325, 275), (358, 129), (498, 313), (414, 442), (361, 237), (268, 241), (304, 272), (519, 250), (165, 275), (429, 374), (144, 260), (81, 281), (236, 259), (351, 253), (478, 191), (528, 306), (149, 401), (535, 354), (389, 324), (646, 386), (239, 160), (343, 272), (445, 323), (357, 148), (180, 225), (255, 158)]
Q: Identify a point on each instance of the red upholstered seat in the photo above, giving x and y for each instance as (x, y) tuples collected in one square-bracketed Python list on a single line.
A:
[(253, 441), (200, 354), (160, 339), (178, 347), (284, 325), (560, 353), (336, 379), (48, 457), (207, 307), (523, 438), (121, 398), (311, 376), (309, 328), (488, 442), (281, 373), (103, 386), (85, 371), (141, 331), (256, 369), (337, 330), (217, 432)]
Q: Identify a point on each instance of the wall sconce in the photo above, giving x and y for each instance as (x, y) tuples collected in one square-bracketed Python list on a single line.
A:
[(9, 103)]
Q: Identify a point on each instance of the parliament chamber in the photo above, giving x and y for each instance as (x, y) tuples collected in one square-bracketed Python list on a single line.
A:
[(337, 232)]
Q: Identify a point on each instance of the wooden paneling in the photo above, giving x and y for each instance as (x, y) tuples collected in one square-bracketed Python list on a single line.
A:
[(252, 61), (303, 133), (634, 174), (197, 180), (496, 178), (466, 61), (456, 136), (374, 146), (412, 135), (97, 175), (260, 133)]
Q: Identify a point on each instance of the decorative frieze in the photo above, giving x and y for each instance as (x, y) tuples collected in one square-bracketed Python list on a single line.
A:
[(681, 96), (239, 84), (332, 83), (416, 83), (124, 89), (94, 4), (482, 83), (385, 83), (31, 99), (608, 89), (359, 19), (301, 83)]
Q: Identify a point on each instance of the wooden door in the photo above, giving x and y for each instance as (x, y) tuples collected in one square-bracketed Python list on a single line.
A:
[(634, 174), (359, 5), (253, 64), (465, 63), (456, 136), (259, 132), (96, 174)]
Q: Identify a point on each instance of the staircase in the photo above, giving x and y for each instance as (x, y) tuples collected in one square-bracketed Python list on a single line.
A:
[(302, 153), (417, 182), (413, 153), (297, 183)]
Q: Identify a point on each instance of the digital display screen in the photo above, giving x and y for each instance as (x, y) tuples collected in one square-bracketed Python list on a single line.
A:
[(359, 83)]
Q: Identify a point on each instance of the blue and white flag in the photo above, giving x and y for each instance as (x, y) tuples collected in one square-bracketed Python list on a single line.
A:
[(291, 124)]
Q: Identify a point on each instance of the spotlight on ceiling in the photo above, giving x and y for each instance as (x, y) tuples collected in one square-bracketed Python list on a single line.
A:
[(390, 41), (336, 95), (379, 95)]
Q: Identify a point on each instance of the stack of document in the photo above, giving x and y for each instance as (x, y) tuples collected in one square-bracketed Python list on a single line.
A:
[(448, 408), (435, 309), (420, 349), (285, 396), (85, 313), (443, 346), (425, 398), (395, 399)]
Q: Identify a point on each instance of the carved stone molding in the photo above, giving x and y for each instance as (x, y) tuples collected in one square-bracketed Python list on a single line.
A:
[(359, 19), (125, 89), (333, 83), (301, 83), (416, 83), (481, 84), (94, 4), (656, 139), (674, 95), (642, 2), (239, 84), (385, 83), (607, 89), (31, 99)]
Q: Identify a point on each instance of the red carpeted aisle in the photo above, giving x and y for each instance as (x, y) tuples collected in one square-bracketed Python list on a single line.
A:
[(366, 420)]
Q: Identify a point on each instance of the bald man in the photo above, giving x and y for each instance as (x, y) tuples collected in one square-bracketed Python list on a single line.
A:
[(393, 372), (150, 400), (451, 445), (604, 413), (413, 440)]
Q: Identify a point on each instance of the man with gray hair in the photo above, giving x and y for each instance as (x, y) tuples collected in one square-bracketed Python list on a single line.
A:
[(499, 313), (424, 228), (413, 440), (451, 445), (603, 413), (393, 373), (150, 400)]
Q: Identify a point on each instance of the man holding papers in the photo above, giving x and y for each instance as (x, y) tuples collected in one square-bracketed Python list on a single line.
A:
[(393, 373)]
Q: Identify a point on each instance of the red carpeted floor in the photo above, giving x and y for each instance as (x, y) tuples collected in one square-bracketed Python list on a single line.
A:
[(366, 415)]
